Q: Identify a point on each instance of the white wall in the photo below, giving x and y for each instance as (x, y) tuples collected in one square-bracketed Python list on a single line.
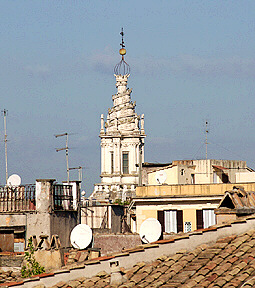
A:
[(245, 177)]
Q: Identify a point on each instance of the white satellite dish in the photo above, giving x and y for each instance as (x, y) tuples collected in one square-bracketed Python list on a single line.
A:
[(161, 177), (150, 230), (81, 236), (14, 180)]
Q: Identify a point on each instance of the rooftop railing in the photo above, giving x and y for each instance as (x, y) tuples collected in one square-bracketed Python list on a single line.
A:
[(20, 198)]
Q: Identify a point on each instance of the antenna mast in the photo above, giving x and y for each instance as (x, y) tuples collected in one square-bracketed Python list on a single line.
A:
[(5, 144), (80, 171), (206, 135), (66, 148)]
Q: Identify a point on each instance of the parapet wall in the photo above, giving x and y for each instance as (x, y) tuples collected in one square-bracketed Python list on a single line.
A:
[(189, 189)]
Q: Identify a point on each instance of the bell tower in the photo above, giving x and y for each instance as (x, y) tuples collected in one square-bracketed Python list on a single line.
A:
[(122, 140)]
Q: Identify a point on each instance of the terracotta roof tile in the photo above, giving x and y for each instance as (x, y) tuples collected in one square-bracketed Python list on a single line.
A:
[(202, 271), (138, 277), (227, 239), (218, 259), (227, 263), (220, 282), (191, 283), (210, 265), (219, 245)]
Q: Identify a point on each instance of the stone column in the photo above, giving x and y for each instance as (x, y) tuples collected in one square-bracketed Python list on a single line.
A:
[(142, 124), (102, 157), (40, 223), (102, 124), (44, 195)]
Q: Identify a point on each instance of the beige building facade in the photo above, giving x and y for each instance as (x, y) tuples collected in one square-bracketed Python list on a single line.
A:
[(180, 208), (202, 172)]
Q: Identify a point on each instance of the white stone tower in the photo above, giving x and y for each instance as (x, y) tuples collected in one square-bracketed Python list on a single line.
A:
[(122, 141)]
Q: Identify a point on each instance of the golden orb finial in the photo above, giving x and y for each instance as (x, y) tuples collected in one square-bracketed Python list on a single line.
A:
[(123, 51)]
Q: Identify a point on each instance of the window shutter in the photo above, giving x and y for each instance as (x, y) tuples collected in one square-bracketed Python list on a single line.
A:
[(179, 221), (161, 220), (200, 222)]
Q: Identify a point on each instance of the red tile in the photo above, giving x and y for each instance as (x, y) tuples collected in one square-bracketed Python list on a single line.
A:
[(45, 275), (212, 277), (12, 283), (102, 258), (233, 259)]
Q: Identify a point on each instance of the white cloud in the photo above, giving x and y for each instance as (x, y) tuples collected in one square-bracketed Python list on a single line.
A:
[(234, 67), (103, 61), (40, 70)]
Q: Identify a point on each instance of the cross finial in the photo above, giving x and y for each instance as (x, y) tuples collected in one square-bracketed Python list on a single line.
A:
[(122, 38)]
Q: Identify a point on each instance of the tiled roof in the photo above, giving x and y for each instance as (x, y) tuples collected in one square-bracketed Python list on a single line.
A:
[(240, 199), (229, 263), (227, 260)]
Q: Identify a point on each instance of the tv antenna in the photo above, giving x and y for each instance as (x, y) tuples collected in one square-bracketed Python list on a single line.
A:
[(5, 144), (79, 171), (65, 148), (206, 138)]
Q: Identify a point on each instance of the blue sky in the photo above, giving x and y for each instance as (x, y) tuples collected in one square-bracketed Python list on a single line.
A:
[(190, 61)]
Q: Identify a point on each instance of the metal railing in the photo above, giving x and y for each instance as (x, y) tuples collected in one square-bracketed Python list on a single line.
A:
[(20, 198), (62, 197)]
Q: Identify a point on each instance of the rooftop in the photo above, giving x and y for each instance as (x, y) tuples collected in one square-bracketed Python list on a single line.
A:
[(220, 256)]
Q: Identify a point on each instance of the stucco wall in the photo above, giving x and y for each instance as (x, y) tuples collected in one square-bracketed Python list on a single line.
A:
[(144, 211), (94, 215), (62, 223), (38, 224), (171, 176), (223, 218), (245, 177), (203, 171), (12, 219), (189, 215), (105, 242)]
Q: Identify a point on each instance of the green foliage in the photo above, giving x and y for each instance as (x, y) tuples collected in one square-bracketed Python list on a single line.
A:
[(119, 202), (32, 267)]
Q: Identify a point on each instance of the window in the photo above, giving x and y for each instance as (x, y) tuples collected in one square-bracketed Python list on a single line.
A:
[(192, 178), (171, 220), (214, 177), (208, 218), (182, 171), (200, 223), (125, 168), (205, 218), (112, 163)]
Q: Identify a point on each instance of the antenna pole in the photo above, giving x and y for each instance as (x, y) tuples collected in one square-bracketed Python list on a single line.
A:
[(79, 171), (66, 148), (67, 163), (5, 145), (206, 134)]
